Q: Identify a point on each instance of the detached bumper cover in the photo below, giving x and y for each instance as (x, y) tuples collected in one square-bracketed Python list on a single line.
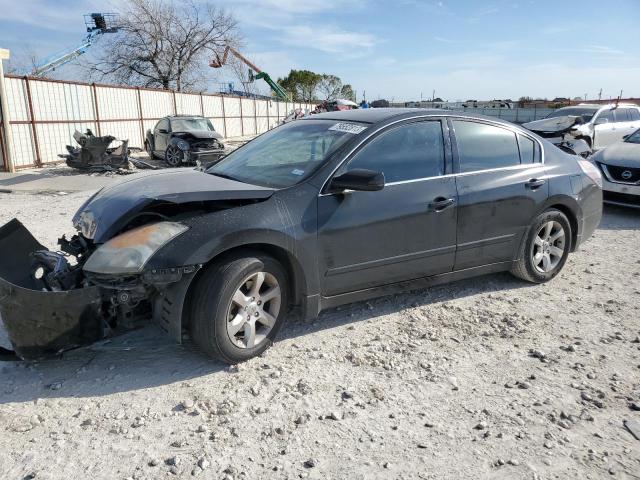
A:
[(39, 322)]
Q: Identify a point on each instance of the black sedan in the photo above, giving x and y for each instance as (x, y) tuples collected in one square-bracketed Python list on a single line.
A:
[(184, 139), (331, 209)]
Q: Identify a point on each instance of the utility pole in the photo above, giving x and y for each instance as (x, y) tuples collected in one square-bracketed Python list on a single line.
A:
[(600, 95), (433, 95), (4, 111)]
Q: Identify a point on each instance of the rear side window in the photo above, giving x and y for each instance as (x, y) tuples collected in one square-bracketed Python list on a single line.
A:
[(482, 147), (634, 114), (529, 150), (408, 152)]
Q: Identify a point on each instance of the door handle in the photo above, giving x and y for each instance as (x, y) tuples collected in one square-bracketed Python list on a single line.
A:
[(440, 203), (535, 183)]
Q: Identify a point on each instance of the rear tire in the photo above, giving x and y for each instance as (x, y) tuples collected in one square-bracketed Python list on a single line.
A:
[(234, 300), (545, 248)]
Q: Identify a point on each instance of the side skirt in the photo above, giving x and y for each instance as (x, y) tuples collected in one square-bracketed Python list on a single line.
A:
[(405, 286)]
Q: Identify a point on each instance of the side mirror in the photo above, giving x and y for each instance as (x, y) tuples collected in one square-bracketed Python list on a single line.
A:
[(358, 180), (162, 130), (601, 121)]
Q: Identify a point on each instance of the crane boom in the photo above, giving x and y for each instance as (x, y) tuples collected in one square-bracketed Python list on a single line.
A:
[(220, 62)]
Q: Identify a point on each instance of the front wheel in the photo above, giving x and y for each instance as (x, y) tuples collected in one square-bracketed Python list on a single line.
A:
[(238, 306), (545, 249), (173, 156)]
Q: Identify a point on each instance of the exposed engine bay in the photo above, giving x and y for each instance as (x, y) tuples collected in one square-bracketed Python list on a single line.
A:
[(564, 132)]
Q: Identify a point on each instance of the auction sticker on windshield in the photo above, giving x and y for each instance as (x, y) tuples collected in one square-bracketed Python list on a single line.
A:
[(348, 128)]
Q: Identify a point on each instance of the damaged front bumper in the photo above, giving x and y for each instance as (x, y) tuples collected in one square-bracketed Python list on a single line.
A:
[(41, 322)]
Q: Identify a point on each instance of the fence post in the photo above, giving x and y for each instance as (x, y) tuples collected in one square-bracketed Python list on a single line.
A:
[(241, 118), (142, 136), (36, 144), (5, 131), (255, 116), (95, 108), (175, 104), (268, 119), (224, 117), (201, 105)]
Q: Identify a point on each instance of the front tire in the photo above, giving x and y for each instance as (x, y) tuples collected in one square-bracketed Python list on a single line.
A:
[(238, 306), (173, 156), (545, 248)]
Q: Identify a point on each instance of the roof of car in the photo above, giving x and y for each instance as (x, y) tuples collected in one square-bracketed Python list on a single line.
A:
[(376, 115)]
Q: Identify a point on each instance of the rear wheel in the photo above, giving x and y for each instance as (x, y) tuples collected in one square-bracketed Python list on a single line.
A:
[(238, 306), (545, 249), (173, 156)]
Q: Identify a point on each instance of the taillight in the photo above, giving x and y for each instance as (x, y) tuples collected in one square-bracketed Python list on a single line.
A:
[(591, 170)]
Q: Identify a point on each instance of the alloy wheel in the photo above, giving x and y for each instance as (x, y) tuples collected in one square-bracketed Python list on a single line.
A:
[(174, 156), (253, 310), (548, 247)]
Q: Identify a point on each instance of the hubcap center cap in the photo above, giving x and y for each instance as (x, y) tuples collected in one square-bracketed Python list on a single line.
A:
[(252, 308)]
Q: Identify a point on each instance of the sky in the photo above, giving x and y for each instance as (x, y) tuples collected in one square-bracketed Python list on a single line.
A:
[(405, 49)]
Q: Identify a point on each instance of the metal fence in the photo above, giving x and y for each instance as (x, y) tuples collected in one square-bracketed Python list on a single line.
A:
[(43, 115), (516, 115)]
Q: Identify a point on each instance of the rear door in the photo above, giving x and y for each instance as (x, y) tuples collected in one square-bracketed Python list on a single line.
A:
[(406, 230), (501, 185)]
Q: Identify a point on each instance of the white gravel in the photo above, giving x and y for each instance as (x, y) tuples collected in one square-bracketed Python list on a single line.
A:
[(484, 378)]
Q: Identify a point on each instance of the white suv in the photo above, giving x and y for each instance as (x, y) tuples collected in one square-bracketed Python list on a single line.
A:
[(603, 124)]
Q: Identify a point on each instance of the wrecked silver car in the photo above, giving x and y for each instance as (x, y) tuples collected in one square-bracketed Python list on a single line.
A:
[(97, 153)]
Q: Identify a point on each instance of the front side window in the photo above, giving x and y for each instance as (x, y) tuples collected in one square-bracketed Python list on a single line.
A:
[(408, 152), (483, 147), (163, 124), (287, 155), (606, 116), (634, 114)]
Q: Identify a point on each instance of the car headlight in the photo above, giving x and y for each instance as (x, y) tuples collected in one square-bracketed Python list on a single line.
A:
[(128, 253), (183, 145)]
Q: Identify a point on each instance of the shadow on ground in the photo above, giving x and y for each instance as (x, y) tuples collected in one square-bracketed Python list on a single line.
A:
[(146, 358)]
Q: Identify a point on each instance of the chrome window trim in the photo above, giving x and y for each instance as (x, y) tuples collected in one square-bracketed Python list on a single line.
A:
[(517, 130)]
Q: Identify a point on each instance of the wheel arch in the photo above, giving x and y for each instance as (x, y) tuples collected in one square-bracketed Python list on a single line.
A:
[(571, 215), (290, 263)]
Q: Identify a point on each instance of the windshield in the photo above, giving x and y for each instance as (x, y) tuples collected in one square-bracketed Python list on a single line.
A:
[(190, 124), (586, 113), (288, 154), (634, 137)]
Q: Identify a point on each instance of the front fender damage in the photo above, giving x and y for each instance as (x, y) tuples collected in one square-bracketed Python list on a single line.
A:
[(41, 320)]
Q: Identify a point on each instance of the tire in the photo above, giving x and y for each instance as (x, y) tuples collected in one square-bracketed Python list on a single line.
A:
[(147, 148), (173, 156), (539, 243), (215, 315)]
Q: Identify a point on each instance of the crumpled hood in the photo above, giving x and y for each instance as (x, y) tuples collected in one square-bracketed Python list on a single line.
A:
[(109, 210), (552, 125), (200, 134), (623, 154)]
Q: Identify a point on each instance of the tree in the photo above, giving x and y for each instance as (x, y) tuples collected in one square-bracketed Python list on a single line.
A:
[(301, 85), (347, 92), (523, 101), (164, 44), (329, 87)]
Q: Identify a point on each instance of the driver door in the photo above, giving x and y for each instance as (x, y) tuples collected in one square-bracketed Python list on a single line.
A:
[(161, 135), (605, 129), (406, 230)]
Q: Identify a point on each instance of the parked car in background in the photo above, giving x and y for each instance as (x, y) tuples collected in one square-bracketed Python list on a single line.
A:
[(620, 165), (330, 209), (597, 125), (182, 139)]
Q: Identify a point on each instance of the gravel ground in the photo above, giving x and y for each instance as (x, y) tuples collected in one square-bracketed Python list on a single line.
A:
[(483, 378)]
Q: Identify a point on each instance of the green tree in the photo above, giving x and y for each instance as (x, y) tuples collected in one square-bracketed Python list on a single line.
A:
[(301, 84), (347, 92)]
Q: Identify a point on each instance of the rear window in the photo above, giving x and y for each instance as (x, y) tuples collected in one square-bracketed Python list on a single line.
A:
[(483, 147), (529, 150)]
